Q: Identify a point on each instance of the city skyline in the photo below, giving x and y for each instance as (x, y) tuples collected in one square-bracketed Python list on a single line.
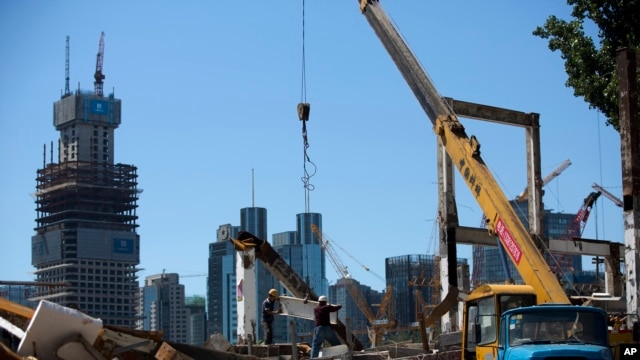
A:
[(212, 100)]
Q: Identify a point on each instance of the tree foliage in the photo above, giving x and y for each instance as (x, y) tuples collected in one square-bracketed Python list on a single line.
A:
[(591, 68)]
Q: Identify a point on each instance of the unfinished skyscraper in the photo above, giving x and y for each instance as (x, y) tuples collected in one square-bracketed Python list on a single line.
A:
[(86, 211)]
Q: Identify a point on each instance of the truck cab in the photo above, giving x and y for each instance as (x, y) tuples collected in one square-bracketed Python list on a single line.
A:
[(503, 322), (539, 332)]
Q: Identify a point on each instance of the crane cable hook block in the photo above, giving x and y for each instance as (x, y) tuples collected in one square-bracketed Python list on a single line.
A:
[(303, 111)]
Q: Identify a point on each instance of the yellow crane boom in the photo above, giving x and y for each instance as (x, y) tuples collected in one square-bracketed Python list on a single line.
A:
[(464, 151)]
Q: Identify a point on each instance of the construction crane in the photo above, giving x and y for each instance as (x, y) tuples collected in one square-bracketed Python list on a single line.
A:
[(352, 287), (67, 92), (193, 275), (422, 308), (574, 230), (504, 260), (554, 174), (608, 195), (99, 76), (486, 324)]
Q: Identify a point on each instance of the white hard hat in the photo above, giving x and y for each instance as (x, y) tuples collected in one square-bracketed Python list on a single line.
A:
[(322, 298)]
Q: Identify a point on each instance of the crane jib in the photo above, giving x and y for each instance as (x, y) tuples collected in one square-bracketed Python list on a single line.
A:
[(507, 240)]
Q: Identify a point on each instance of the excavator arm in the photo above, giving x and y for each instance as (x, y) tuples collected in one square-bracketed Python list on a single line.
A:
[(464, 152)]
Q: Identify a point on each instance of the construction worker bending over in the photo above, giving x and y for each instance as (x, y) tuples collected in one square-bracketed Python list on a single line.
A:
[(323, 330)]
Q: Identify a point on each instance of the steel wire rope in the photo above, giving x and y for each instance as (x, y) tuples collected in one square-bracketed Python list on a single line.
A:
[(303, 100)]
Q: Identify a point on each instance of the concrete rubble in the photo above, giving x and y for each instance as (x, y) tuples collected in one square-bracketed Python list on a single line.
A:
[(54, 332)]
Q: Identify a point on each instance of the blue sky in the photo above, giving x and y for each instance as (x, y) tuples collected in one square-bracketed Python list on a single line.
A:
[(209, 92)]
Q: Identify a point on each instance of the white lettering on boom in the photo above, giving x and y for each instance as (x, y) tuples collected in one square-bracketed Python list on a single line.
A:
[(507, 240)]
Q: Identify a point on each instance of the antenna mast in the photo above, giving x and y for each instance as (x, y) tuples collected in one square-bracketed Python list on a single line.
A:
[(99, 76), (67, 92), (252, 190)]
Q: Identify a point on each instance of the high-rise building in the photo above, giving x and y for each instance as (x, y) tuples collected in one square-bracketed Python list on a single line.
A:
[(20, 294), (407, 274), (86, 213), (162, 304), (222, 305), (339, 293), (313, 269), (196, 320)]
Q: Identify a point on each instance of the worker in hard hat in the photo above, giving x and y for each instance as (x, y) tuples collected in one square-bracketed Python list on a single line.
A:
[(323, 330), (268, 313)]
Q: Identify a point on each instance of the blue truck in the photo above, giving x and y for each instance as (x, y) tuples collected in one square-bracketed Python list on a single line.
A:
[(541, 331)]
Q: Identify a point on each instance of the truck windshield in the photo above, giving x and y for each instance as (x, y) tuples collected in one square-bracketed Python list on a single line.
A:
[(546, 326)]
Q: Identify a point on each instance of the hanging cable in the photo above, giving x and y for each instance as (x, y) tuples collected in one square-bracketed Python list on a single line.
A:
[(303, 114), (303, 90)]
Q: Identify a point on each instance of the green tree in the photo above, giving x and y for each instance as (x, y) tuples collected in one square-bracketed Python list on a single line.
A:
[(591, 69)]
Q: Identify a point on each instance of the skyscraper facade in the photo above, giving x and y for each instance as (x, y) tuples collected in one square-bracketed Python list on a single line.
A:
[(162, 304), (313, 268), (86, 214), (196, 320), (339, 293), (222, 304)]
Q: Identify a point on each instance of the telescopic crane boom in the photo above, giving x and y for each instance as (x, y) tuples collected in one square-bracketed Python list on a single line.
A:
[(464, 152), (494, 315)]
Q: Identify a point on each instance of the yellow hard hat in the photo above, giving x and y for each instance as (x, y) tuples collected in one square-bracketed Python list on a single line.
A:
[(273, 292)]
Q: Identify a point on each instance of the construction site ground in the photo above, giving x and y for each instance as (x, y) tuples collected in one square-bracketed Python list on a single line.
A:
[(60, 333)]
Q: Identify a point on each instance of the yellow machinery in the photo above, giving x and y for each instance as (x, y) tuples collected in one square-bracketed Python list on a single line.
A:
[(486, 302)]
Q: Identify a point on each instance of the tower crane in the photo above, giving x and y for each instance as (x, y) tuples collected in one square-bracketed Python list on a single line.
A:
[(352, 288), (99, 76), (67, 92), (575, 229), (608, 195), (554, 174)]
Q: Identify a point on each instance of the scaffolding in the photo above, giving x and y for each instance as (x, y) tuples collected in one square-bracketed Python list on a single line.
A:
[(90, 192)]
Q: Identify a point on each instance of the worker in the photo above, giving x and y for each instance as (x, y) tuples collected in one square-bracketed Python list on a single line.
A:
[(323, 330), (268, 313)]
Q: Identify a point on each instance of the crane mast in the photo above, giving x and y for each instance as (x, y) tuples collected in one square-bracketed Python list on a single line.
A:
[(464, 153), (99, 76)]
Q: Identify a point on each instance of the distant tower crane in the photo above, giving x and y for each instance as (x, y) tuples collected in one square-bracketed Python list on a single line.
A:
[(378, 325), (67, 92), (608, 195), (575, 229), (554, 174), (99, 76)]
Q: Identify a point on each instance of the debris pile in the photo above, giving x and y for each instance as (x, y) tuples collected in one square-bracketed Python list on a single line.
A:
[(55, 332)]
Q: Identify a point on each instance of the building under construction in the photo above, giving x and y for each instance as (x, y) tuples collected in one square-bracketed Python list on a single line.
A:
[(86, 211), (415, 279)]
